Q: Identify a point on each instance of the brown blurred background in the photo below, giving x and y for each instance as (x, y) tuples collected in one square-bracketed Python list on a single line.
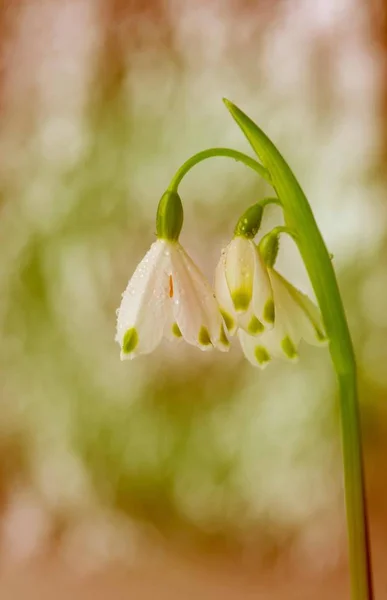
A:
[(181, 474)]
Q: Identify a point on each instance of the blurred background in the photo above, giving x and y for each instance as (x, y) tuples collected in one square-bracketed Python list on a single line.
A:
[(181, 473)]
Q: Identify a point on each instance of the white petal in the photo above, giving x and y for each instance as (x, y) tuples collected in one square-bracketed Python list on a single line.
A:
[(284, 338), (240, 268), (308, 317), (261, 313), (303, 315), (263, 301), (250, 323), (195, 308), (296, 317), (223, 297), (249, 286), (254, 350), (144, 307), (171, 329)]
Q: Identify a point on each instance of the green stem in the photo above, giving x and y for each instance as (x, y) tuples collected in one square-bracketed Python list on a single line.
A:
[(358, 533), (272, 200), (276, 231), (299, 217), (197, 158)]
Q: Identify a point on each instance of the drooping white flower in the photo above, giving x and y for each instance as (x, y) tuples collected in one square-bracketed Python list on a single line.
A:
[(243, 288), (296, 318), (168, 296)]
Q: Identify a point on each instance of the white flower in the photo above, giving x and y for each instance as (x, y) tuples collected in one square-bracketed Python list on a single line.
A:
[(243, 289), (168, 295), (296, 317)]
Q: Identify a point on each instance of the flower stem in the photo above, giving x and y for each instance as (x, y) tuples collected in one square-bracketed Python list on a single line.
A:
[(197, 158), (299, 217), (358, 534)]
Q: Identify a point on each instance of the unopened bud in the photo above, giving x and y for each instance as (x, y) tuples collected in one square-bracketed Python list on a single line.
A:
[(169, 219), (269, 247), (250, 222)]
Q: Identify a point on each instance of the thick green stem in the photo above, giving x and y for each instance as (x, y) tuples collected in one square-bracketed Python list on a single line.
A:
[(358, 535), (228, 152)]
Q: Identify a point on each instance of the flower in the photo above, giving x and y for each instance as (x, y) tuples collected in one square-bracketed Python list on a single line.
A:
[(296, 317), (243, 288), (168, 295)]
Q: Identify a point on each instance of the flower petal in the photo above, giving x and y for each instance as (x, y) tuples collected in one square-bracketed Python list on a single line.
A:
[(308, 318), (171, 329), (254, 349), (263, 302), (296, 317), (260, 315), (304, 315), (144, 308), (223, 296), (195, 308), (240, 268)]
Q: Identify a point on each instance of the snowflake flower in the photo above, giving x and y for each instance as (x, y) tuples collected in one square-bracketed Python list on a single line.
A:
[(168, 295)]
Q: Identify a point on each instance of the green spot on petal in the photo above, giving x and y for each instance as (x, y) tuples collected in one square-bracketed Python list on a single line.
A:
[(289, 348), (223, 337), (255, 326), (261, 354), (204, 336), (269, 311), (229, 321), (241, 300), (130, 341), (176, 331)]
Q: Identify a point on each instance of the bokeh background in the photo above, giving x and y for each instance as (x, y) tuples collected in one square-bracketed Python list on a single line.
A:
[(182, 473)]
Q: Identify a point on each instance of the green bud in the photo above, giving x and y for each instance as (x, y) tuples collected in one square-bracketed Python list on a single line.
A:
[(268, 248), (169, 219), (250, 222)]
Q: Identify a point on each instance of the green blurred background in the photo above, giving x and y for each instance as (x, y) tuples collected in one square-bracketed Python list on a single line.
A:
[(181, 452)]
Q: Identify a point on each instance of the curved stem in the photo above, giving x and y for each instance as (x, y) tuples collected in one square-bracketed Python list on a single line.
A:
[(269, 244), (271, 200), (276, 231), (228, 152)]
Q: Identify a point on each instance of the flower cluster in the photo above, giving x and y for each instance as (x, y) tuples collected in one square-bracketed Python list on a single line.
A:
[(169, 296)]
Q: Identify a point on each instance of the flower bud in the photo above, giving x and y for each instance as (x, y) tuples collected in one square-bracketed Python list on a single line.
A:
[(169, 219), (268, 248), (250, 222)]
